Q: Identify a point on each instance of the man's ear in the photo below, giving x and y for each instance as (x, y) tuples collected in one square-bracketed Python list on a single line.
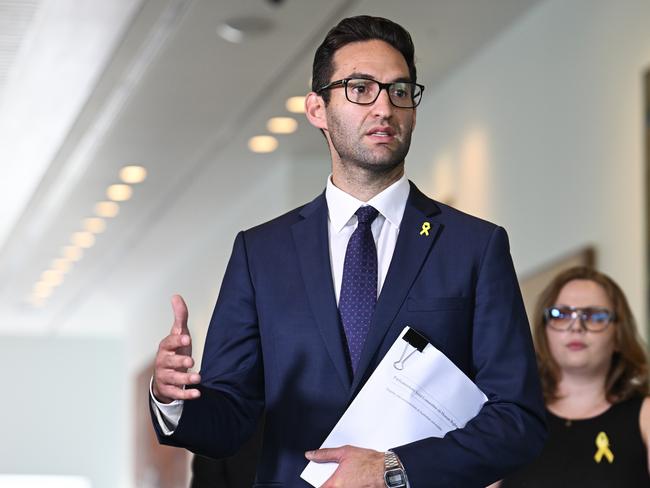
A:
[(315, 110)]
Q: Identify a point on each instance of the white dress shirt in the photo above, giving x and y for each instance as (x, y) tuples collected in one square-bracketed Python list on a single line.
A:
[(390, 204)]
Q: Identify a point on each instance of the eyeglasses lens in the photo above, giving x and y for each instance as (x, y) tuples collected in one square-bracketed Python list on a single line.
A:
[(402, 94), (594, 319)]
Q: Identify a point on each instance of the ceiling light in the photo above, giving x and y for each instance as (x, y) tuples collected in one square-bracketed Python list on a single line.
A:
[(42, 290), (119, 193), (83, 239), (62, 264), (52, 277), (133, 174), (263, 144), (73, 253), (95, 225), (238, 29), (282, 125), (295, 105), (41, 287), (107, 210)]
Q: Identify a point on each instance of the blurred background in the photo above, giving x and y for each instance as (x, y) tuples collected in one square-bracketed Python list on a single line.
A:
[(127, 138)]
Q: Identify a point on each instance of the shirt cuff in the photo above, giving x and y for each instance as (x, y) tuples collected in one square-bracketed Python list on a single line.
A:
[(168, 415)]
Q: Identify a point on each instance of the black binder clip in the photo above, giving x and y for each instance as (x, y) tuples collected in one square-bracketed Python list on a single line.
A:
[(413, 340)]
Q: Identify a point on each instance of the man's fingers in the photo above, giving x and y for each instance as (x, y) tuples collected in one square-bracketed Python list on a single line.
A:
[(173, 342), (173, 361), (168, 384), (326, 455), (180, 316), (169, 393), (170, 377)]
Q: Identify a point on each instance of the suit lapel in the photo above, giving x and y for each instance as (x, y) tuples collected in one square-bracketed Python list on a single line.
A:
[(411, 250), (311, 238)]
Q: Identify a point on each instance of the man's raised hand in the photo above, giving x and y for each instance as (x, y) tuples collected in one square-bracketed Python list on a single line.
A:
[(174, 358)]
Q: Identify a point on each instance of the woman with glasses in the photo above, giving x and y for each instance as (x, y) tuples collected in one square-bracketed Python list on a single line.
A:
[(594, 374)]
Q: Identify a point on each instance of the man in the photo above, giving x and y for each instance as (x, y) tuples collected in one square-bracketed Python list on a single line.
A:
[(311, 301)]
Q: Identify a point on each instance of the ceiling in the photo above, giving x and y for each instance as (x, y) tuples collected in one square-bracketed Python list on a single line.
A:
[(87, 87)]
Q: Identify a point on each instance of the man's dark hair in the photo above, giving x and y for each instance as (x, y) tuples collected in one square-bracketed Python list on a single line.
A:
[(357, 29)]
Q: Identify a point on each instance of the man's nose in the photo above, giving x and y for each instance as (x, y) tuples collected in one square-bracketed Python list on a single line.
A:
[(383, 106)]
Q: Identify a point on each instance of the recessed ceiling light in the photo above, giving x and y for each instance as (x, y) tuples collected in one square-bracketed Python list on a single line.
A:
[(42, 292), (239, 29), (295, 105), (52, 277), (119, 193), (263, 144), (62, 264), (73, 253), (107, 209), (83, 239), (133, 174), (282, 125), (95, 225)]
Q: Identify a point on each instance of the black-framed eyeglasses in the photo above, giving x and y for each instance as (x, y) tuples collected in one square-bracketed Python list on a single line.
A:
[(594, 319), (364, 91)]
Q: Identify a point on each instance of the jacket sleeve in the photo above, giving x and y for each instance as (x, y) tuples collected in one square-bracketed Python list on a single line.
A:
[(510, 429), (232, 387)]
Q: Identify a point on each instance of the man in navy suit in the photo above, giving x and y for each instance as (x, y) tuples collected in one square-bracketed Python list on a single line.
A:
[(292, 335)]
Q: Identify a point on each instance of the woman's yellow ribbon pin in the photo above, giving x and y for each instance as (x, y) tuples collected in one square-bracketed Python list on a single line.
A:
[(425, 228), (602, 442)]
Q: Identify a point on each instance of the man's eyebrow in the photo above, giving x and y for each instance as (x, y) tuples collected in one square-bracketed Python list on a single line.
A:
[(358, 74)]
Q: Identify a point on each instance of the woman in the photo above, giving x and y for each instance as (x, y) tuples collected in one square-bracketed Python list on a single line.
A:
[(594, 374)]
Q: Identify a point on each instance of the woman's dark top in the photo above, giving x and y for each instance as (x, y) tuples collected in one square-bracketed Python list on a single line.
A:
[(603, 451)]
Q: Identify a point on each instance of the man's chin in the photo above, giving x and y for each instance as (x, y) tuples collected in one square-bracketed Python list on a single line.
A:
[(381, 167)]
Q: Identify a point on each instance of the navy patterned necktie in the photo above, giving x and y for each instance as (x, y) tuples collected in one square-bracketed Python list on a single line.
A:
[(359, 285)]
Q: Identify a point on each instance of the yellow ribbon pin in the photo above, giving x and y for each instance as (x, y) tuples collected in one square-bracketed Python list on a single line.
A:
[(425, 228), (602, 442)]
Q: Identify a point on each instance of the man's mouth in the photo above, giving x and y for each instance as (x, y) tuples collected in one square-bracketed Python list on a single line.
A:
[(382, 133)]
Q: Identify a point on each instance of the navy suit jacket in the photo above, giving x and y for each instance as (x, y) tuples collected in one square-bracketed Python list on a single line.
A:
[(275, 344)]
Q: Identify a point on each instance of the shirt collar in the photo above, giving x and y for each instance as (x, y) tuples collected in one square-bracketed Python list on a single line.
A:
[(390, 203)]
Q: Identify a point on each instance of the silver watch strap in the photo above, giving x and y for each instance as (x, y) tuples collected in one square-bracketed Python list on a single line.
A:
[(391, 461)]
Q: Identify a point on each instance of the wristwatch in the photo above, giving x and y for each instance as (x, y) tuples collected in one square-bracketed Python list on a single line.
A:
[(394, 474)]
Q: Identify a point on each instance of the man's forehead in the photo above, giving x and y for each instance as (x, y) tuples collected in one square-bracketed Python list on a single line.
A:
[(375, 58)]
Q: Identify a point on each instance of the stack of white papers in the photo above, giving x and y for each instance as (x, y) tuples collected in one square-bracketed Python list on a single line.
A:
[(411, 395)]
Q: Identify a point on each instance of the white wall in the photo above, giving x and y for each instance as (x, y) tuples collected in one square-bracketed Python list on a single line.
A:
[(61, 409), (542, 132)]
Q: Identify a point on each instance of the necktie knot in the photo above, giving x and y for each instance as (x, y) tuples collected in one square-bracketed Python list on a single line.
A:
[(366, 215)]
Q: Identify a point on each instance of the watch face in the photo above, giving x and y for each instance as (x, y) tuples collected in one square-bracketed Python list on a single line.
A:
[(395, 478)]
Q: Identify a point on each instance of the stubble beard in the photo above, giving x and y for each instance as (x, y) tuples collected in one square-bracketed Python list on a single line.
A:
[(353, 154)]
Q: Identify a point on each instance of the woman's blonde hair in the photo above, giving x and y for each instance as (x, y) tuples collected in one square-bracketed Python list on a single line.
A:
[(628, 372)]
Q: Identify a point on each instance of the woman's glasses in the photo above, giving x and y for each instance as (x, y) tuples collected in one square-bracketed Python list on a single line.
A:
[(594, 319)]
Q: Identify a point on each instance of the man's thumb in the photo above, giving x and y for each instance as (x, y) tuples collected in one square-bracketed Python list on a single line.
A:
[(180, 316)]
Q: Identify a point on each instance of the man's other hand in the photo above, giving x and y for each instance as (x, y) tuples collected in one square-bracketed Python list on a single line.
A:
[(174, 358), (358, 468)]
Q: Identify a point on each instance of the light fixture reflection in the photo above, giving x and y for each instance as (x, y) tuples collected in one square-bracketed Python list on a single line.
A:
[(83, 239), (107, 210), (119, 192), (263, 144), (282, 125), (133, 174), (94, 225), (73, 253), (52, 277), (295, 105), (62, 264), (42, 290)]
